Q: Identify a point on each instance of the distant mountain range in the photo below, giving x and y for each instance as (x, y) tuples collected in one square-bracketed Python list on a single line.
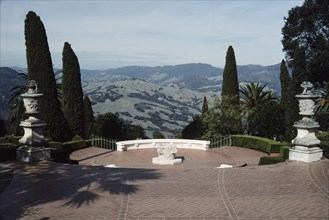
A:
[(163, 98)]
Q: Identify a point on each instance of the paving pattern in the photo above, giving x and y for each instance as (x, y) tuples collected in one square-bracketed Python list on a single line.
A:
[(193, 190)]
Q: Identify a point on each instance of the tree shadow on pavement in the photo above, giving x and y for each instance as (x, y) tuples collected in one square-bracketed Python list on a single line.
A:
[(71, 185)]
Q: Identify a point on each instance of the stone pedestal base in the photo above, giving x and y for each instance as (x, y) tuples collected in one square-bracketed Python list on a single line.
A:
[(305, 154), (164, 161), (32, 154)]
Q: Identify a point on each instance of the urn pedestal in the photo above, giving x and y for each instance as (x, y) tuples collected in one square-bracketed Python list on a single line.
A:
[(33, 142), (305, 144)]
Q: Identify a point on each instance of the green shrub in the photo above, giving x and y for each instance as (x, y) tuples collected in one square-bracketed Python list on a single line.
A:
[(8, 151), (74, 145), (324, 145), (10, 139), (284, 155), (77, 138), (257, 143), (88, 142), (54, 145)]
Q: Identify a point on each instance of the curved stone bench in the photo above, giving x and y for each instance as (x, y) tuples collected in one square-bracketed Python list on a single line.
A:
[(153, 143)]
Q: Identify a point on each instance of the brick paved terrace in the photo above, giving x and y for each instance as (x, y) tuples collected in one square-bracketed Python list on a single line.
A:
[(140, 190)]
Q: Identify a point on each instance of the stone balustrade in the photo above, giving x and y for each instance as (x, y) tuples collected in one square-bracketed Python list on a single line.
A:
[(153, 143)]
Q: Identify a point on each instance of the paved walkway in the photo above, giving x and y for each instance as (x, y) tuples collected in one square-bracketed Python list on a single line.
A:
[(193, 190)]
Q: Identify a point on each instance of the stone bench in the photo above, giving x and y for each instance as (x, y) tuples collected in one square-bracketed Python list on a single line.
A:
[(153, 143)]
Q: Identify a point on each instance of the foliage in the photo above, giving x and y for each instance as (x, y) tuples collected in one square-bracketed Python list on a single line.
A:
[(158, 135), (253, 94), (110, 126), (205, 106), (285, 81), (72, 94), (307, 26), (88, 117), (292, 108), (135, 132), (263, 113), (8, 147), (230, 95), (230, 86), (284, 155), (14, 118), (40, 69), (256, 143), (8, 151), (324, 145), (194, 130), (219, 120), (267, 120), (3, 130)]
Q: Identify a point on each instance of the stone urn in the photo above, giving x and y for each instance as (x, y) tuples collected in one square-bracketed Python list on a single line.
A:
[(305, 144), (33, 141)]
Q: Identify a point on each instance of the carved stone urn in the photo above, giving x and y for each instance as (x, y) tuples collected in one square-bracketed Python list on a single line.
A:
[(305, 144), (33, 141), (166, 155)]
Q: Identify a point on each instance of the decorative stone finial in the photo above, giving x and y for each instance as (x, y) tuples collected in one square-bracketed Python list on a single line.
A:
[(32, 86), (307, 87)]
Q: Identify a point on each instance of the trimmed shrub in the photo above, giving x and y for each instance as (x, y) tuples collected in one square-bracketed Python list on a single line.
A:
[(324, 145), (257, 143), (10, 139), (8, 151), (284, 155), (60, 152), (74, 145)]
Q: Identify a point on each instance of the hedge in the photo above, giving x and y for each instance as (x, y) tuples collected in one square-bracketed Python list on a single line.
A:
[(283, 156), (8, 151), (60, 152), (257, 143)]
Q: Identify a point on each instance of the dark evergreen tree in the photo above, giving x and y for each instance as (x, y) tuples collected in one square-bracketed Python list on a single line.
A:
[(292, 109), (110, 126), (158, 135), (88, 117), (307, 26), (135, 132), (267, 120), (285, 80), (40, 69), (14, 118), (230, 86), (230, 94), (72, 94), (205, 106), (285, 83), (194, 130), (3, 130)]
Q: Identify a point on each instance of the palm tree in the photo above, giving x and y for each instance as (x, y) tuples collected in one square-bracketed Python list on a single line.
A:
[(323, 102), (253, 94)]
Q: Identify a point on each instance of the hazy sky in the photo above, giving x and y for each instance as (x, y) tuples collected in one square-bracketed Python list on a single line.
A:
[(108, 34)]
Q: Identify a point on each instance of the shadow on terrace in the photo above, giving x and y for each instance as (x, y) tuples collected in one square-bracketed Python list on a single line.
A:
[(71, 185)]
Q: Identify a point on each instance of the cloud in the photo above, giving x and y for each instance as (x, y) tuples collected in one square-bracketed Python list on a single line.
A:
[(113, 33)]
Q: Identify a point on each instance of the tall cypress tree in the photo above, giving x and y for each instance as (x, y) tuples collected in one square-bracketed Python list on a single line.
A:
[(40, 69), (89, 117), (298, 76), (205, 106), (230, 86), (285, 80), (230, 94), (72, 94)]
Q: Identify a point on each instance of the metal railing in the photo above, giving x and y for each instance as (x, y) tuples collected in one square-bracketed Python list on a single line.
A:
[(103, 142), (220, 141)]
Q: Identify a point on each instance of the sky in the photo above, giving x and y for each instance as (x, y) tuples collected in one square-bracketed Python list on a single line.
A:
[(110, 34)]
